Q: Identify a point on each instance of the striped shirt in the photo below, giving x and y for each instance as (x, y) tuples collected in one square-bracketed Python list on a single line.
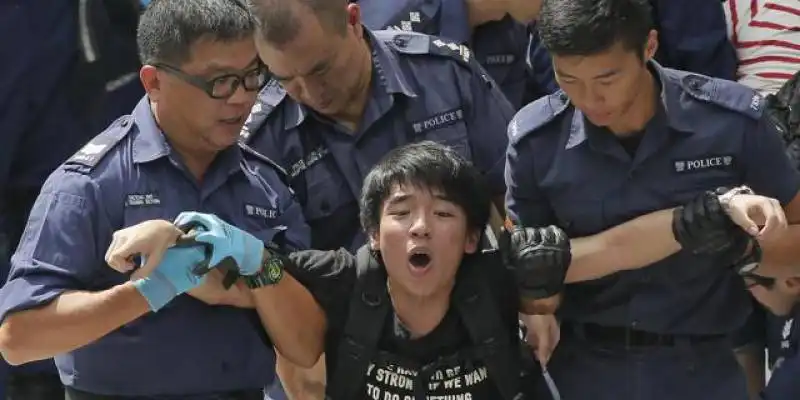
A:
[(766, 34)]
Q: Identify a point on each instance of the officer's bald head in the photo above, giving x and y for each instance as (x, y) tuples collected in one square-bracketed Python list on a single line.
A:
[(279, 21)]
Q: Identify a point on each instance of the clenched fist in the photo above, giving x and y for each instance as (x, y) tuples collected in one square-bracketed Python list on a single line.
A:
[(539, 258)]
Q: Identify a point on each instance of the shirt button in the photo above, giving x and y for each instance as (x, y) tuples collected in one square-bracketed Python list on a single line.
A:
[(634, 324)]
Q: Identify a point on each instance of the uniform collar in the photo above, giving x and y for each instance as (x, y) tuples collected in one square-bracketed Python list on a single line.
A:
[(387, 78), (666, 119), (150, 144), (672, 95), (454, 23)]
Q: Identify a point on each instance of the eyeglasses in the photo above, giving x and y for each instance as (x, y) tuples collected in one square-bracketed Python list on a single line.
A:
[(222, 87)]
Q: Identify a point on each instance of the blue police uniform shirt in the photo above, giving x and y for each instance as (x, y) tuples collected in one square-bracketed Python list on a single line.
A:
[(423, 88), (692, 36), (706, 133), (783, 339), (126, 175), (499, 46)]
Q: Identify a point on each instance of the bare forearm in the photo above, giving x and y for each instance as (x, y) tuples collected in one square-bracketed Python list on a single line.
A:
[(295, 322), (781, 257), (71, 321), (634, 244)]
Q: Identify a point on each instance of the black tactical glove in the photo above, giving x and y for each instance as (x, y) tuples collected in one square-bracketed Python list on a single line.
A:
[(539, 258), (702, 227)]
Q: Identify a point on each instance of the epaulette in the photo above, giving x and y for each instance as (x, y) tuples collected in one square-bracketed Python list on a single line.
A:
[(284, 177), (726, 94), (90, 155), (419, 43), (531, 118), (268, 99)]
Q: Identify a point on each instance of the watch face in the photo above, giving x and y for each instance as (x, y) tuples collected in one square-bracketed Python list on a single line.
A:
[(274, 270)]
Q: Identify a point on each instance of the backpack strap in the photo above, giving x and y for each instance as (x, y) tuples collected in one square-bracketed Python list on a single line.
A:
[(478, 309), (369, 308)]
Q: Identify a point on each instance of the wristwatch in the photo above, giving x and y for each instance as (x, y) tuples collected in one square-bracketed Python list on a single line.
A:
[(725, 196), (270, 273)]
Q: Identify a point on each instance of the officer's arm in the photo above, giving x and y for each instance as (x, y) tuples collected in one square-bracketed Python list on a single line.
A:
[(487, 117), (634, 244), (768, 171), (46, 307), (693, 36), (637, 243), (299, 339)]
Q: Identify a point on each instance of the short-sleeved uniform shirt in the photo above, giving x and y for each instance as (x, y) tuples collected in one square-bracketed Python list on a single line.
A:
[(500, 46), (423, 88), (331, 276), (126, 175), (706, 133)]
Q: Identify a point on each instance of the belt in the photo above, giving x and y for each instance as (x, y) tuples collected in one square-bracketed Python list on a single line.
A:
[(622, 336), (256, 394)]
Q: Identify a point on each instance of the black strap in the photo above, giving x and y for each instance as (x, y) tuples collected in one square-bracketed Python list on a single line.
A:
[(479, 312), (369, 307)]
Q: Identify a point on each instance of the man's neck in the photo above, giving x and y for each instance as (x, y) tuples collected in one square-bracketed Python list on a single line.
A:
[(642, 110), (351, 116), (420, 315), (196, 161), (483, 11)]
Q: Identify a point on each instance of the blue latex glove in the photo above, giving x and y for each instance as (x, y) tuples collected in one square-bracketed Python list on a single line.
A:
[(227, 241), (172, 277)]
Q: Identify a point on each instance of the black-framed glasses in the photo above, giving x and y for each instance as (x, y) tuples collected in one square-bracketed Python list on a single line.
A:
[(224, 86)]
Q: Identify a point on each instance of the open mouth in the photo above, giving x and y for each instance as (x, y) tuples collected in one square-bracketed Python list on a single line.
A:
[(419, 261)]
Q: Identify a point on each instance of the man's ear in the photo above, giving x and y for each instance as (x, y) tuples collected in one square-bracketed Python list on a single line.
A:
[(473, 241), (793, 285), (374, 241)]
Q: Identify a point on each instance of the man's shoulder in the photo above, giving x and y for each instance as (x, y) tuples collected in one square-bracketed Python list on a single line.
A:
[(703, 94), (538, 117), (271, 99), (96, 156), (433, 48)]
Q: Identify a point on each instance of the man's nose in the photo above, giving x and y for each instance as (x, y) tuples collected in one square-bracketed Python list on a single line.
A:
[(420, 226)]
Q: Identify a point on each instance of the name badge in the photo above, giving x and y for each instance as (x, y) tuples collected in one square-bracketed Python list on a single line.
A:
[(306, 162), (701, 164), (438, 121), (499, 59), (142, 200)]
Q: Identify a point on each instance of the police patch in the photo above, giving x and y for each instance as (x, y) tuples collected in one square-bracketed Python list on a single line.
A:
[(704, 163), (256, 211), (438, 121)]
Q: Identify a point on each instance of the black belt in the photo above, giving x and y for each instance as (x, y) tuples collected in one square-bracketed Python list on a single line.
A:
[(622, 336), (74, 394)]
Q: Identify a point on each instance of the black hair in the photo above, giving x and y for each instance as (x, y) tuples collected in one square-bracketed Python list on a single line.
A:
[(588, 27), (168, 28), (427, 165), (278, 23)]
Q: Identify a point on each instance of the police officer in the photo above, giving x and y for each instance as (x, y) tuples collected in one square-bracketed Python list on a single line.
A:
[(781, 297), (627, 136), (692, 36), (176, 151), (494, 29), (57, 86)]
